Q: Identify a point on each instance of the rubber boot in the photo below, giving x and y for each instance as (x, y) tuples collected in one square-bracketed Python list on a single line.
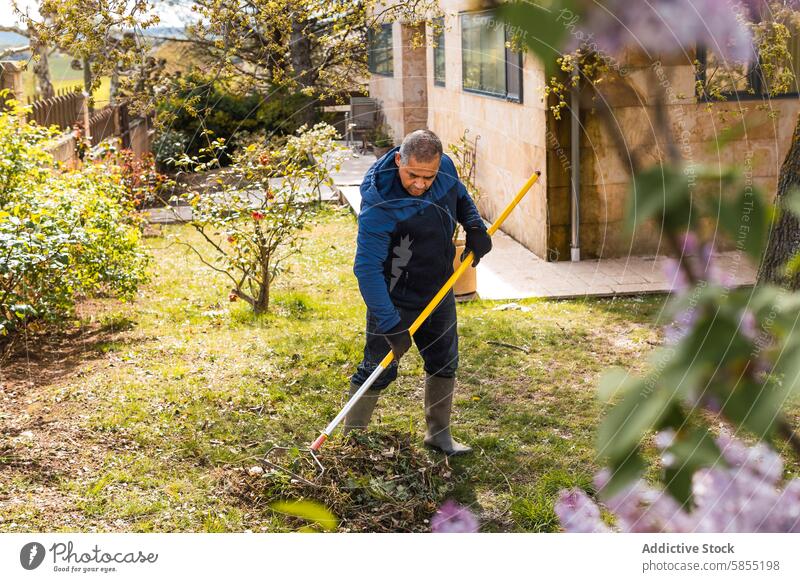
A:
[(438, 404), (359, 415)]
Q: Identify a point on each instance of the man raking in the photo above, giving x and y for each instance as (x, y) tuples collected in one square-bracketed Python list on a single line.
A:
[(411, 201)]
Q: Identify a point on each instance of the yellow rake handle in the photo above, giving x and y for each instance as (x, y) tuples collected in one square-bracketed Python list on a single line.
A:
[(465, 264)]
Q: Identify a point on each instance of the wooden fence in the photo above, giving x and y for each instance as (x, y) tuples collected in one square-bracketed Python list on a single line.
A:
[(65, 109), (68, 110), (104, 123)]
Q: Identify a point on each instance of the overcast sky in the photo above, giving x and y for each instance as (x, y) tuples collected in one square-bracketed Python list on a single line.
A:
[(170, 15)]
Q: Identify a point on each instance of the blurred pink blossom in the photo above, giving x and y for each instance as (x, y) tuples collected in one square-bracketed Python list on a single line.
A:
[(579, 514), (667, 27), (743, 495), (454, 518)]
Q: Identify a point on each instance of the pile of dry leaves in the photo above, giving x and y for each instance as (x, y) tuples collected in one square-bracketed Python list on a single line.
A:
[(373, 482)]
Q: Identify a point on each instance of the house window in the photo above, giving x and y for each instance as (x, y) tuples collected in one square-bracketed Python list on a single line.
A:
[(381, 54), (757, 80), (488, 67), (438, 52)]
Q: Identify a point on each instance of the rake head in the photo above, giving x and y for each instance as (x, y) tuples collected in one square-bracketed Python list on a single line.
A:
[(293, 461)]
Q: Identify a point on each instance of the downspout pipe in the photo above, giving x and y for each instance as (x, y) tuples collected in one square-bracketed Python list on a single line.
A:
[(575, 169)]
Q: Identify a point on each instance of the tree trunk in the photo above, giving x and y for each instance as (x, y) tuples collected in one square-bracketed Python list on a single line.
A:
[(262, 301), (41, 69), (302, 67), (784, 241), (87, 81)]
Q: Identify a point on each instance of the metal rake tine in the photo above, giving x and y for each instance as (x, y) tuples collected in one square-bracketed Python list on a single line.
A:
[(265, 459)]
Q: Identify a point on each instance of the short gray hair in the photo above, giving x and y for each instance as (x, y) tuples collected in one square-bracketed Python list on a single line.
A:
[(423, 145)]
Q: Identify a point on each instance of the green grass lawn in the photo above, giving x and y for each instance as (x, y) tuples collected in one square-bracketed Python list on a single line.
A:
[(135, 419)]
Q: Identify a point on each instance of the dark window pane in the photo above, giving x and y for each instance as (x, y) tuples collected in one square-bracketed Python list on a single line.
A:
[(513, 75), (488, 66), (438, 52), (483, 53), (381, 55)]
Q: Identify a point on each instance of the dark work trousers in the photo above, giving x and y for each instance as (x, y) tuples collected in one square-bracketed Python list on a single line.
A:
[(436, 340)]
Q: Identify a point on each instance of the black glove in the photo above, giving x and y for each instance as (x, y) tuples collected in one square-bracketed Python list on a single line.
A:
[(479, 242), (399, 340)]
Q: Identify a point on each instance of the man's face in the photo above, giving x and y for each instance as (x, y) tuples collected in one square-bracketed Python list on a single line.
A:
[(417, 176)]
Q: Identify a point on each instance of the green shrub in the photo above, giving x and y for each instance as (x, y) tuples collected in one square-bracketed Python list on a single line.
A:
[(168, 145), (62, 235), (95, 203)]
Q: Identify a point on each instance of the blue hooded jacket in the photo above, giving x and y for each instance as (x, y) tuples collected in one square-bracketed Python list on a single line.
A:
[(405, 245)]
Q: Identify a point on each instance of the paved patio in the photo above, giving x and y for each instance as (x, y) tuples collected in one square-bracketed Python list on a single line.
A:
[(211, 181), (511, 271), (182, 213)]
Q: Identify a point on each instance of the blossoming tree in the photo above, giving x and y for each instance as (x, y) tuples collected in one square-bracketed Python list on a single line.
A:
[(253, 222)]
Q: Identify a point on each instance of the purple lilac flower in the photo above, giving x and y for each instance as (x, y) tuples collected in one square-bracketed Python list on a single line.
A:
[(675, 275), (760, 460), (748, 326), (665, 438), (741, 495), (642, 509), (702, 261), (785, 515), (639, 508), (709, 268), (578, 513), (712, 403), (739, 499), (761, 369), (681, 326), (454, 518), (689, 243), (667, 26)]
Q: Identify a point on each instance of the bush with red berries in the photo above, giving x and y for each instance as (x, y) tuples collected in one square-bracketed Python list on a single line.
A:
[(253, 222)]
